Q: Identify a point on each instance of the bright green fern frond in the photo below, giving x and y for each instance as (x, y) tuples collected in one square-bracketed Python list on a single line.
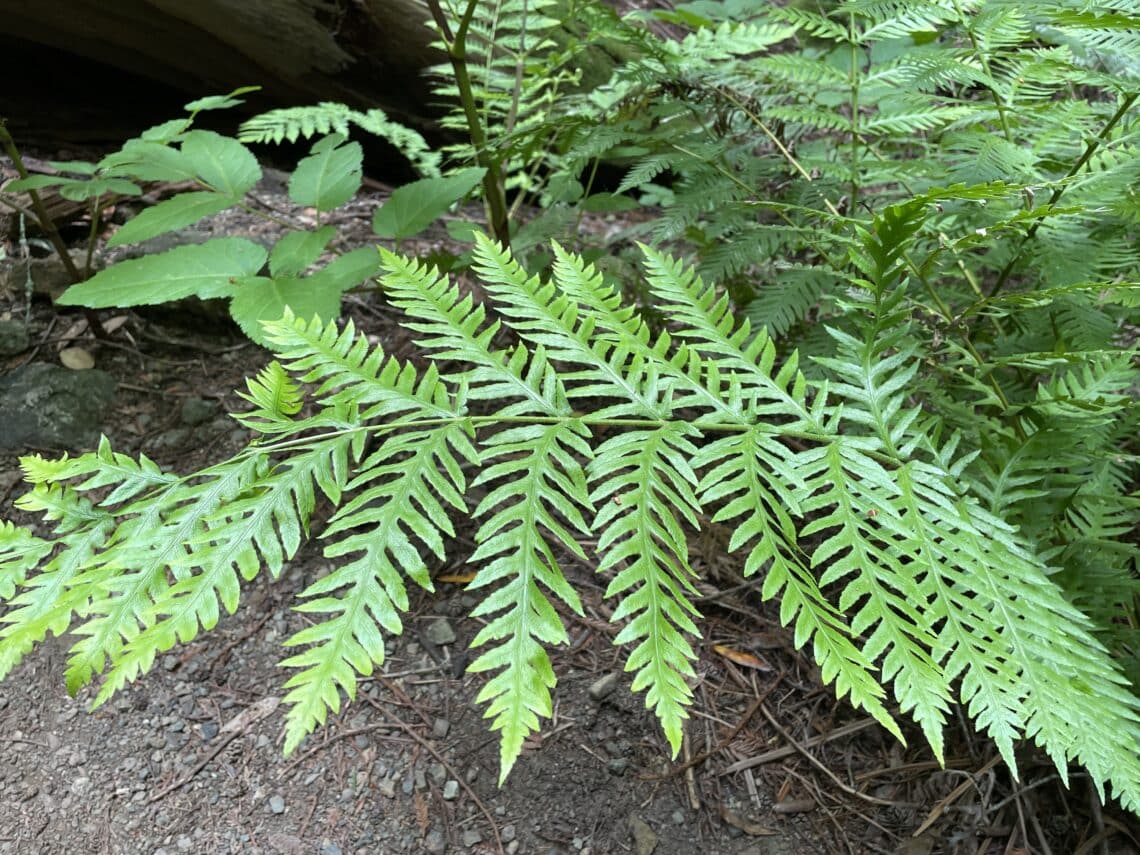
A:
[(541, 489), (455, 330), (291, 123), (403, 480), (47, 601), (643, 483)]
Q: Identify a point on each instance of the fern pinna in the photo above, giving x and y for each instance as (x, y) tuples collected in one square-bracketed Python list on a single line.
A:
[(845, 496)]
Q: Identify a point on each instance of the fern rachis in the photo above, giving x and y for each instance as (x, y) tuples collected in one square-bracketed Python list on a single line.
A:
[(934, 594)]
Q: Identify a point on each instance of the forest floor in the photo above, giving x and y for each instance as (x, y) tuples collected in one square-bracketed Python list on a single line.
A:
[(189, 758)]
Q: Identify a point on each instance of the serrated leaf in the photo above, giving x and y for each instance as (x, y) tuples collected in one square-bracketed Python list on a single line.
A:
[(220, 102), (149, 161), (259, 298), (330, 176), (203, 270), (296, 251), (170, 215), (414, 207), (95, 188), (347, 271), (221, 162)]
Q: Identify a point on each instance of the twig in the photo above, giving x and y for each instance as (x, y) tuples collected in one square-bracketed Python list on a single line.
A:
[(807, 755), (724, 743), (788, 751), (955, 794), (329, 740), (233, 728), (423, 743)]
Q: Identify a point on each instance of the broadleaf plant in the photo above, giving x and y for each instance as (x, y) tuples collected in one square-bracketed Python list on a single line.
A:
[(849, 499)]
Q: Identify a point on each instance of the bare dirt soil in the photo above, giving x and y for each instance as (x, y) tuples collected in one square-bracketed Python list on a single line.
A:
[(189, 758)]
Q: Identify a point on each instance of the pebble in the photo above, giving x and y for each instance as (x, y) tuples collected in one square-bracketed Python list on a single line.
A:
[(195, 411), (388, 788), (618, 765), (451, 790), (471, 837), (329, 848), (277, 804), (603, 686), (440, 632), (440, 728), (434, 844), (678, 817), (209, 730), (507, 834), (644, 840)]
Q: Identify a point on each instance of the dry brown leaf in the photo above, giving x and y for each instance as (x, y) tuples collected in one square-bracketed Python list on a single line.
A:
[(253, 713), (742, 658), (76, 358)]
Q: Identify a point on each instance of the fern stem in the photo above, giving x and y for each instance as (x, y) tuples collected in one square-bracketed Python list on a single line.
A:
[(1089, 151), (493, 189), (48, 225), (854, 106), (983, 58)]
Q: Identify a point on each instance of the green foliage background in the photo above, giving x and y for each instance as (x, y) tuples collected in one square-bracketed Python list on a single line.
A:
[(899, 361)]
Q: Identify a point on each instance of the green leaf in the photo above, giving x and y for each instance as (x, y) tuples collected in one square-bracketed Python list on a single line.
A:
[(149, 161), (170, 215), (347, 271), (414, 207), (220, 102), (221, 162), (296, 251), (330, 176), (259, 298), (95, 188), (203, 270)]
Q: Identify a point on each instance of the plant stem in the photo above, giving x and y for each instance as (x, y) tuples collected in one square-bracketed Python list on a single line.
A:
[(45, 223), (493, 190), (1089, 151)]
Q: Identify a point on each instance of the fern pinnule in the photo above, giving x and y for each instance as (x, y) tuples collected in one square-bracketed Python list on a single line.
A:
[(539, 475)]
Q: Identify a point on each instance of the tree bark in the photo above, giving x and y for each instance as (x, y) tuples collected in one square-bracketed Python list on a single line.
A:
[(362, 52)]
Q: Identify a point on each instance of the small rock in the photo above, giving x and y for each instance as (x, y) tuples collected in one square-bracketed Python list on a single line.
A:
[(451, 790), (195, 411), (286, 844), (184, 843), (507, 834), (437, 772), (440, 728), (420, 779), (603, 686), (678, 817), (277, 804), (434, 844), (644, 840), (439, 632), (47, 406), (13, 337), (209, 730), (388, 788), (618, 765), (471, 837), (329, 848)]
